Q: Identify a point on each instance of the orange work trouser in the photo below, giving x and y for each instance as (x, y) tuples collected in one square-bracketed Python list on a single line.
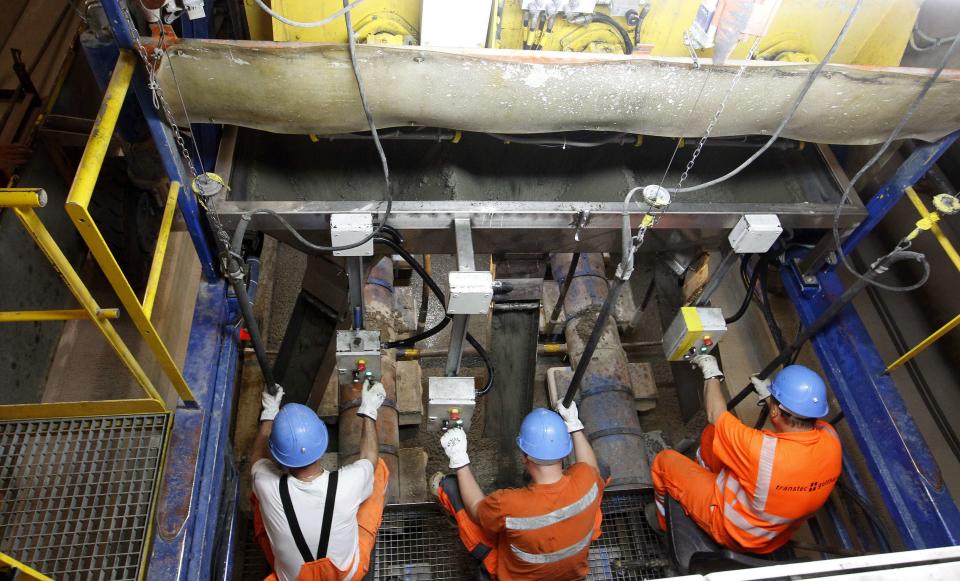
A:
[(692, 485), (480, 543), (369, 517)]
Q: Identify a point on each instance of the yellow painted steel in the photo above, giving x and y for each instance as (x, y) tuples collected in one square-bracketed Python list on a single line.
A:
[(23, 198), (78, 201), (934, 227), (26, 572), (166, 222), (72, 409), (802, 30), (553, 348), (31, 222), (374, 21), (924, 344), (929, 222), (158, 483), (878, 36), (691, 318), (56, 315)]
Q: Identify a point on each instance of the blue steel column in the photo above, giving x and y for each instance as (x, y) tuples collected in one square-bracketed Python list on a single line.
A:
[(910, 172), (606, 396), (185, 535), (895, 452), (166, 146), (206, 135)]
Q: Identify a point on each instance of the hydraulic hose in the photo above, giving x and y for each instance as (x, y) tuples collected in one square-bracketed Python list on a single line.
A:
[(432, 285), (593, 341), (745, 304), (879, 267)]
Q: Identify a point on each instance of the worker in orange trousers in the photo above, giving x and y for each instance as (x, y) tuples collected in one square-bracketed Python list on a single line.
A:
[(752, 489), (314, 524), (541, 531)]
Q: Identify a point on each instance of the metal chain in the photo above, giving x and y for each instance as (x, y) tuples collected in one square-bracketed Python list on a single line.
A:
[(645, 225), (160, 103), (716, 116)]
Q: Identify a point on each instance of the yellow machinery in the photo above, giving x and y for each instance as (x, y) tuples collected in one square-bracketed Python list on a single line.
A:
[(802, 30)]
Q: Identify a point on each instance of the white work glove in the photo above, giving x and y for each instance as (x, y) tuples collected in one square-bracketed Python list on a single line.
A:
[(708, 365), (570, 416), (762, 386), (454, 443), (270, 404), (371, 398)]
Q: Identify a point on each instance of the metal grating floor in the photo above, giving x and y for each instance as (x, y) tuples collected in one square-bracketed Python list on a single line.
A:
[(628, 547), (420, 542), (76, 494)]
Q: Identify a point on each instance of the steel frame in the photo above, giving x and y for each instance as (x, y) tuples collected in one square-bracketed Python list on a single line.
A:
[(183, 546), (165, 143), (896, 453)]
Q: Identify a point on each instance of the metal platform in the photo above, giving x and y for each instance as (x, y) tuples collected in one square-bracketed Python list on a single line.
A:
[(77, 493), (420, 542)]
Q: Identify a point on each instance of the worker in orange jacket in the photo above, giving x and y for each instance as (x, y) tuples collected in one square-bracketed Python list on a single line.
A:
[(313, 524), (751, 489), (541, 531)]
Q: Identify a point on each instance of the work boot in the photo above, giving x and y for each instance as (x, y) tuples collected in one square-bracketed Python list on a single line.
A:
[(650, 511)]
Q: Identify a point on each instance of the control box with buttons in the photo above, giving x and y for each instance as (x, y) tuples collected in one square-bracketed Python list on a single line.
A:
[(694, 331), (358, 356), (451, 402)]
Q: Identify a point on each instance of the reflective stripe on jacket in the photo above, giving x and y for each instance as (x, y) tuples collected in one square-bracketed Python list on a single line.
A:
[(544, 530), (771, 482)]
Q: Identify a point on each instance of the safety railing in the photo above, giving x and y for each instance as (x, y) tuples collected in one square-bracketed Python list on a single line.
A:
[(11, 568), (928, 221), (23, 202)]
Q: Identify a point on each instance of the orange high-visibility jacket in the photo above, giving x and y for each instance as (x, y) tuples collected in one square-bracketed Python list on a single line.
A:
[(771, 482), (544, 530)]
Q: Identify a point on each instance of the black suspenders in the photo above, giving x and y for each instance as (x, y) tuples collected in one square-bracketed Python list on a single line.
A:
[(295, 524)]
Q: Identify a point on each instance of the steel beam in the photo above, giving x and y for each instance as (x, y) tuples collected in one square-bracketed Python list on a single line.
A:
[(184, 537), (895, 452), (910, 172), (166, 144)]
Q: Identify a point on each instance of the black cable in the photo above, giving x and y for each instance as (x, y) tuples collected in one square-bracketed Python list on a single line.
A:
[(432, 285), (427, 280), (627, 43), (814, 74), (764, 303), (838, 243), (745, 304), (880, 529), (486, 362)]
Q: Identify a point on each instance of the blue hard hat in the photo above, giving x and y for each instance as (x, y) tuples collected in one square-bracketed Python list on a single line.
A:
[(543, 436), (800, 391), (298, 437)]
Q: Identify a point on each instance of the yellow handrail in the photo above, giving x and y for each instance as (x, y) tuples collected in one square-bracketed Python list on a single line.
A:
[(931, 222), (78, 202), (27, 571), (56, 315), (166, 223), (934, 227), (23, 204)]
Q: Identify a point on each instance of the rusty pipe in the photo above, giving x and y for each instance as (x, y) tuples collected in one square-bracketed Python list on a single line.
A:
[(378, 309), (606, 397)]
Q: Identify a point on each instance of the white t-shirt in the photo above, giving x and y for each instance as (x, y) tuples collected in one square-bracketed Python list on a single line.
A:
[(354, 486)]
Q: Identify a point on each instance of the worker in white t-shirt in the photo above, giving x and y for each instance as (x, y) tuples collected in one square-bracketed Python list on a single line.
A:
[(313, 524)]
